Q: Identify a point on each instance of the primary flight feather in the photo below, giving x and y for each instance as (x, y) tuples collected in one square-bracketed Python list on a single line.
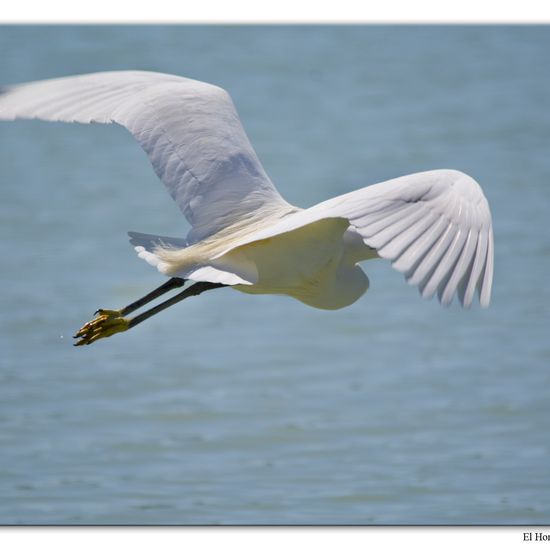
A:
[(435, 227)]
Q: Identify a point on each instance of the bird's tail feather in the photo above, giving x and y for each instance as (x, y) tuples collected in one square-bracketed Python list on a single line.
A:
[(150, 242), (154, 248)]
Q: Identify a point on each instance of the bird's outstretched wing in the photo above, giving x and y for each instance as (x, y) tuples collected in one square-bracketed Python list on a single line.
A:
[(189, 129), (435, 227)]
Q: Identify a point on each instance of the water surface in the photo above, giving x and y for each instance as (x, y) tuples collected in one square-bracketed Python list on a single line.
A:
[(237, 409)]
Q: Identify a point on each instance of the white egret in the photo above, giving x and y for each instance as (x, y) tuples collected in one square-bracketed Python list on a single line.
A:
[(435, 227)]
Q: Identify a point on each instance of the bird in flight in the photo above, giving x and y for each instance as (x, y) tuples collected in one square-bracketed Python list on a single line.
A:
[(434, 227)]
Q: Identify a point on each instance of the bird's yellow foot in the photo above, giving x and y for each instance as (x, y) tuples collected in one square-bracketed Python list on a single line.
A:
[(107, 323)]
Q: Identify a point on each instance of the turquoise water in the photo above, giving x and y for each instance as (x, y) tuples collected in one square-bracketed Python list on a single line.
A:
[(237, 409)]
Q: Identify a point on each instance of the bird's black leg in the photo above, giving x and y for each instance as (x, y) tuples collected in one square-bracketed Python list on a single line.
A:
[(110, 322), (193, 290), (174, 282)]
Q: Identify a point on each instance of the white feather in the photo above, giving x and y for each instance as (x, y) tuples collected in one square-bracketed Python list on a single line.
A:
[(189, 129), (435, 227), (427, 252)]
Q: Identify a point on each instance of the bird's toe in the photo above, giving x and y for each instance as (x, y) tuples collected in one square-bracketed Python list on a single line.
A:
[(105, 324)]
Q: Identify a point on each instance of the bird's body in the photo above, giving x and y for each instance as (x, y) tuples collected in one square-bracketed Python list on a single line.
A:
[(315, 264), (435, 227)]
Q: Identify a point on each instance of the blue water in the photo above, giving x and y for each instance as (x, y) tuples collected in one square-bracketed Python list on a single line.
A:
[(234, 409)]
